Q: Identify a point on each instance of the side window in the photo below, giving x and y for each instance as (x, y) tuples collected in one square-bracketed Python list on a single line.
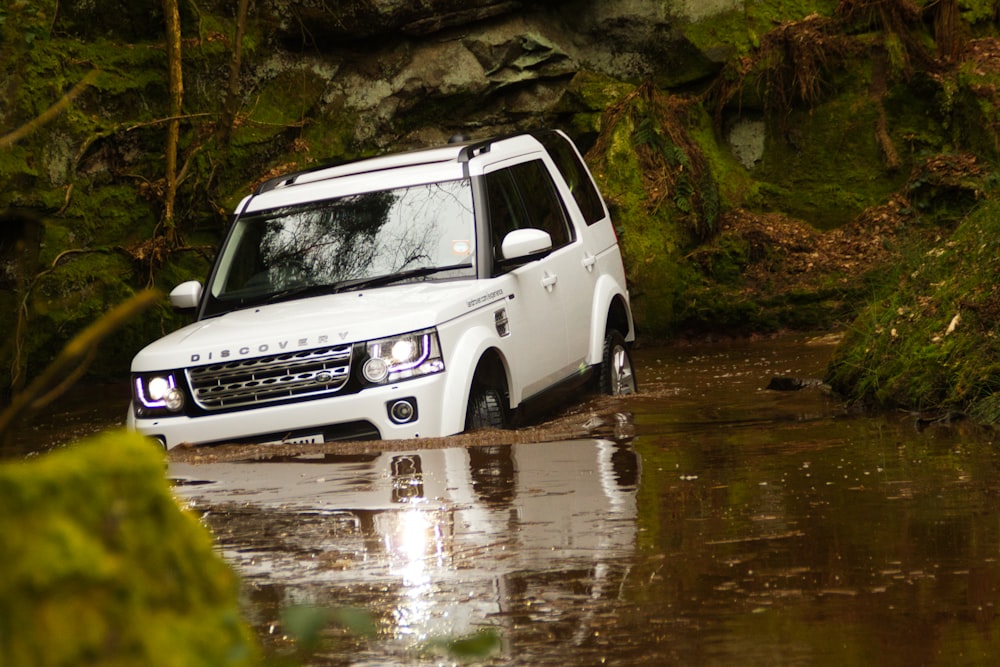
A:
[(524, 196), (542, 204), (574, 172)]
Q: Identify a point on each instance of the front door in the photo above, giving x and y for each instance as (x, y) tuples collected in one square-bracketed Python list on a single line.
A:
[(522, 196)]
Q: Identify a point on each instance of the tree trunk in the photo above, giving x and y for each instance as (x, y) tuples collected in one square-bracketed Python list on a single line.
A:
[(232, 105), (947, 25), (172, 17)]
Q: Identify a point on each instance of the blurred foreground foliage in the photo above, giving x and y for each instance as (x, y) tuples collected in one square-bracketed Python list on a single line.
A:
[(102, 566)]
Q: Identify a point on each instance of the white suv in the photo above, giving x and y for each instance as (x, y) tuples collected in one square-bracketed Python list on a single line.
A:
[(411, 295)]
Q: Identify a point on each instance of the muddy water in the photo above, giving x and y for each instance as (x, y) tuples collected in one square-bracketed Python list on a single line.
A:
[(707, 520)]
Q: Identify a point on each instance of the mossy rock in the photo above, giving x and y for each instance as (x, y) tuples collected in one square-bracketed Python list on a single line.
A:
[(651, 244), (658, 183), (830, 167), (101, 565)]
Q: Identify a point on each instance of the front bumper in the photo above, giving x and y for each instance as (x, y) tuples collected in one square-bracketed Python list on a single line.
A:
[(366, 414)]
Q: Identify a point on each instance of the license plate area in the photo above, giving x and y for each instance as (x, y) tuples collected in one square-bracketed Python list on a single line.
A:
[(311, 439)]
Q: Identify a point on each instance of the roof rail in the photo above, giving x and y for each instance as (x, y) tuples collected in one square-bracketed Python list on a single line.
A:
[(289, 179), (479, 147), (470, 151), (467, 152)]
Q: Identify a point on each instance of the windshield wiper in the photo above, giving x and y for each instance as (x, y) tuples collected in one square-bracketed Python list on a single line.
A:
[(299, 291), (389, 278)]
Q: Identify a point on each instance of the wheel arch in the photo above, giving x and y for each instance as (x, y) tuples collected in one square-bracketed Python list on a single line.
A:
[(619, 318), (492, 371), (476, 359), (611, 311)]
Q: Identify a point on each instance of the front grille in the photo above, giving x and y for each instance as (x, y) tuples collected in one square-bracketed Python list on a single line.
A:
[(271, 379)]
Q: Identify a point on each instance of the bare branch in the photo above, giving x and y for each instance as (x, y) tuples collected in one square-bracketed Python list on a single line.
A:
[(49, 114), (73, 360)]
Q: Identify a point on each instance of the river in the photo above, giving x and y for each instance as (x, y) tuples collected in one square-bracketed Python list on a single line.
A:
[(706, 520)]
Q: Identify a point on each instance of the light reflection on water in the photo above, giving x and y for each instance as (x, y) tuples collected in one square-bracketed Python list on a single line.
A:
[(437, 543), (738, 525)]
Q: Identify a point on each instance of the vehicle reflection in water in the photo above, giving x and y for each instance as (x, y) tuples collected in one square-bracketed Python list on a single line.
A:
[(436, 543)]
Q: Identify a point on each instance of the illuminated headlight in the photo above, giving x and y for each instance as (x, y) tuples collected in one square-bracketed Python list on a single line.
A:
[(402, 357), (157, 393)]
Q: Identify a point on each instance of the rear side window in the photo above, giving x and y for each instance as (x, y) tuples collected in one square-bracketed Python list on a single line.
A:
[(524, 196), (574, 172)]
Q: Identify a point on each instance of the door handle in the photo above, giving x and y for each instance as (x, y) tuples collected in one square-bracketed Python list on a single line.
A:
[(588, 262), (549, 281)]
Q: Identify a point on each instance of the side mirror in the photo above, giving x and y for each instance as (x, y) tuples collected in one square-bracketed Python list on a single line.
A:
[(186, 295), (522, 243)]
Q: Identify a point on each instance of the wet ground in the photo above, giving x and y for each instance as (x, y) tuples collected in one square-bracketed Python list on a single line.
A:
[(707, 520)]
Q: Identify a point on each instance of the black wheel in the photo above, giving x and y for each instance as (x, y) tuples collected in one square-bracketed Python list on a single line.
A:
[(617, 375), (485, 410)]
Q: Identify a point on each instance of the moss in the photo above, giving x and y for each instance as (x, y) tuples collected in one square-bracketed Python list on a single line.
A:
[(978, 12), (333, 139), (736, 187), (723, 260), (928, 339), (284, 101), (830, 168), (741, 29), (582, 105), (918, 116), (120, 19), (709, 306), (103, 567), (973, 107), (651, 243), (592, 91), (17, 170), (105, 216)]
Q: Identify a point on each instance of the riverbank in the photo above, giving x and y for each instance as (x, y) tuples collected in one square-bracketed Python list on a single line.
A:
[(927, 341)]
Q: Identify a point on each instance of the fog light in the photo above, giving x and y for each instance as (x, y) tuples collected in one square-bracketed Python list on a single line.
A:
[(403, 411)]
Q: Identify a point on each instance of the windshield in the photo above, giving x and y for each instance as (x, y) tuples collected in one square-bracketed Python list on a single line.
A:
[(415, 232)]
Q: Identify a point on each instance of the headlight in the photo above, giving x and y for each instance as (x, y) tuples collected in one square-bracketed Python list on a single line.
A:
[(402, 357), (157, 394)]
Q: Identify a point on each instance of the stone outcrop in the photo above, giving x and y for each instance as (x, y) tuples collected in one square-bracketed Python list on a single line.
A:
[(439, 66)]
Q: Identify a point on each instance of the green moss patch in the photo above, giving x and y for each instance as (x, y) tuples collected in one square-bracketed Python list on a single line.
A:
[(101, 566), (659, 184), (929, 340)]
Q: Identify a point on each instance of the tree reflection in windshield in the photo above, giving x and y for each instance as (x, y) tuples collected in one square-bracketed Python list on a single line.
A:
[(356, 237)]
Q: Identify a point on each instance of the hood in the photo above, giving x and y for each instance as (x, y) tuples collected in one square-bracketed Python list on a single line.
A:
[(301, 324)]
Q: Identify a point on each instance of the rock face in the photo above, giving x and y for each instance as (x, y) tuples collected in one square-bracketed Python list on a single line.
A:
[(420, 71), (357, 21), (318, 81)]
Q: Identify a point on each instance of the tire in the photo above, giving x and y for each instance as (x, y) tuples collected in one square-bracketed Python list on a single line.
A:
[(485, 409), (617, 374)]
